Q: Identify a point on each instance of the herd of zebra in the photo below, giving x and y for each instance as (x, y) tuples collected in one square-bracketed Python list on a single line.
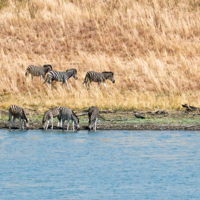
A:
[(63, 77), (62, 113)]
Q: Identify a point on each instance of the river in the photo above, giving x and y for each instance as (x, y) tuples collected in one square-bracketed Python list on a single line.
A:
[(38, 164)]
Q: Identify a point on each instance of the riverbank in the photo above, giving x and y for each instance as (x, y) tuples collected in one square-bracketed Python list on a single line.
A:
[(123, 120)]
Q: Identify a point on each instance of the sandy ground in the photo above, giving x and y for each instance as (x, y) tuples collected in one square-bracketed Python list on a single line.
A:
[(122, 120)]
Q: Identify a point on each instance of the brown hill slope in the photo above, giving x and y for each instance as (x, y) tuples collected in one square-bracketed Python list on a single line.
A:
[(151, 46)]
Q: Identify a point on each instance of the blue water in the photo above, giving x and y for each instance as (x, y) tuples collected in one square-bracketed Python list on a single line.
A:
[(102, 165)]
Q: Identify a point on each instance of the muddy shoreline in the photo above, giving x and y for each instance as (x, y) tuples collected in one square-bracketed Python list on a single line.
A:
[(122, 120)]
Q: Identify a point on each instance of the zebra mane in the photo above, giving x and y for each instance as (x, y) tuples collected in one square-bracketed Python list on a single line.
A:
[(107, 74), (46, 66), (69, 70)]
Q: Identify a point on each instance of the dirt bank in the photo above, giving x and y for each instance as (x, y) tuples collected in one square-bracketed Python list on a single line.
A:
[(123, 120)]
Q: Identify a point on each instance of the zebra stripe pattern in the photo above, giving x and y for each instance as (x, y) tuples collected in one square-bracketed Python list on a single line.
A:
[(68, 114), (18, 112), (38, 71), (92, 76), (93, 115), (50, 114), (61, 76)]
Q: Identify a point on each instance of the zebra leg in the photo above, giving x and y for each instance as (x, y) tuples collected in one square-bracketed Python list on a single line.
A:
[(68, 124), (52, 123), (95, 125), (63, 126), (14, 122), (73, 125), (47, 124), (42, 76), (67, 84), (88, 85), (10, 118), (26, 74), (104, 84), (23, 122), (49, 83), (59, 122), (31, 76), (20, 123)]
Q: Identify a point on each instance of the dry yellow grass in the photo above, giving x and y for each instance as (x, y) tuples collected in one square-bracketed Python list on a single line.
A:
[(152, 47)]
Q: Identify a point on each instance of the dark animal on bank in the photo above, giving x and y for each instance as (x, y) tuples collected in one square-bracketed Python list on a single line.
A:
[(93, 115), (50, 114), (139, 116), (18, 112), (98, 77), (190, 108), (38, 71), (68, 114), (61, 76)]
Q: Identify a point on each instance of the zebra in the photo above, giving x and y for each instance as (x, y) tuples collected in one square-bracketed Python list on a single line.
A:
[(93, 115), (37, 71), (18, 112), (68, 114), (50, 114), (98, 77), (61, 76)]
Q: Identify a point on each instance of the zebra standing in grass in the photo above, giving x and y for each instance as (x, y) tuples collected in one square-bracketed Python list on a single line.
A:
[(98, 77), (93, 115), (38, 71), (50, 114), (61, 76), (18, 112), (68, 114)]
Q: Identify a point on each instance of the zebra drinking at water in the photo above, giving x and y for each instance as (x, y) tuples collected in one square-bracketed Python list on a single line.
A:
[(93, 115), (50, 114), (61, 76), (98, 77), (68, 114), (38, 71), (18, 112)]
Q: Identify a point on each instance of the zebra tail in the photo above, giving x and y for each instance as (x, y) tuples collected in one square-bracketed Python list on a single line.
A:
[(26, 74), (103, 118), (85, 80)]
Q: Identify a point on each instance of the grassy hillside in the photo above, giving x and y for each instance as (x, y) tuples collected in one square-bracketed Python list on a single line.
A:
[(153, 48)]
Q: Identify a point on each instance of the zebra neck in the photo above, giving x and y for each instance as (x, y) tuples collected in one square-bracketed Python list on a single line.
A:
[(74, 117), (69, 74), (24, 114)]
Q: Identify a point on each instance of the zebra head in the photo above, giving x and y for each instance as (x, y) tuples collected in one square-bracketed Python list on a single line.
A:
[(109, 75), (26, 124), (75, 74), (47, 68), (45, 120), (72, 72)]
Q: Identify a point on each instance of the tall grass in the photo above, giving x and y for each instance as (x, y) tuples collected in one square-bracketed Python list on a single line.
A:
[(152, 46)]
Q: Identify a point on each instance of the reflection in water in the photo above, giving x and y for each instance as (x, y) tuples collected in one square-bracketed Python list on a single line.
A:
[(102, 165)]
